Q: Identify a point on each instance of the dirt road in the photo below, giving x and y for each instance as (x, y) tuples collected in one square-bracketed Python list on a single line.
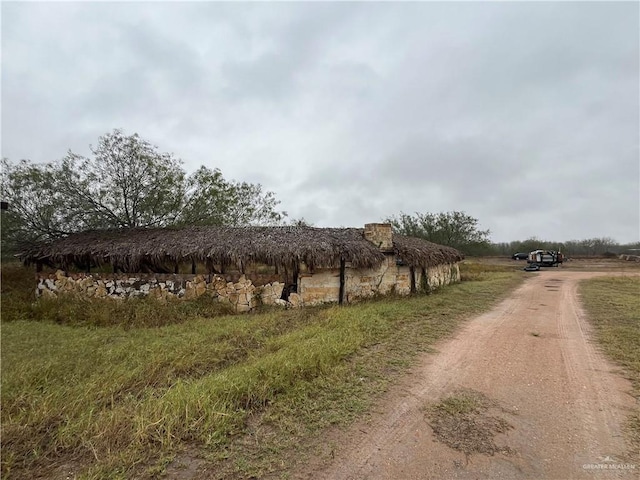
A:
[(533, 361)]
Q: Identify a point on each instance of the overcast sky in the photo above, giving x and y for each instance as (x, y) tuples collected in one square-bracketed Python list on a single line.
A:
[(524, 115)]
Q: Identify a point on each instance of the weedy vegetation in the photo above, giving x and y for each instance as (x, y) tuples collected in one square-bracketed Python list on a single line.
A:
[(465, 422), (476, 270), (613, 307), (129, 389)]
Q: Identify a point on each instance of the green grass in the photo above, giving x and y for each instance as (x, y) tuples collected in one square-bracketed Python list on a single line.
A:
[(476, 270), (613, 307), (239, 392), (461, 403)]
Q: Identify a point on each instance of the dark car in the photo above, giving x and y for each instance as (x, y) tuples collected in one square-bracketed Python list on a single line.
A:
[(520, 256)]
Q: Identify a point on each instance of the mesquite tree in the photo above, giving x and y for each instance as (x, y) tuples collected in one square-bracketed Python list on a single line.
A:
[(455, 229), (125, 183)]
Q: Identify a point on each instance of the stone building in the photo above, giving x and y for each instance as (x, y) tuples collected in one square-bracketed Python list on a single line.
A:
[(243, 266)]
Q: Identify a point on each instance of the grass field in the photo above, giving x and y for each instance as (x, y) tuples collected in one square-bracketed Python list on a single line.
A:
[(99, 390), (613, 306)]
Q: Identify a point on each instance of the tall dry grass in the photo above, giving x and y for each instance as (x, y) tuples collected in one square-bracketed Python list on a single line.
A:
[(613, 306)]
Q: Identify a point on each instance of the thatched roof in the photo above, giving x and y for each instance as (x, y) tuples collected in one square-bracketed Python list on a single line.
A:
[(240, 246), (421, 253)]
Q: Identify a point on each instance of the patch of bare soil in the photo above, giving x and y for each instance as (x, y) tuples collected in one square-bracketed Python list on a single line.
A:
[(464, 423), (185, 467), (547, 403)]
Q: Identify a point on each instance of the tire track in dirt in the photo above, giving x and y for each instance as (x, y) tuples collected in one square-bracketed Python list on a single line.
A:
[(532, 355)]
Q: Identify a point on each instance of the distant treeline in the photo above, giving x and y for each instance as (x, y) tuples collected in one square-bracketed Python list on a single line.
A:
[(572, 248), (462, 231)]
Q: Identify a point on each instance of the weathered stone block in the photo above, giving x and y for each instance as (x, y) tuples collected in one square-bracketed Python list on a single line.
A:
[(189, 292), (242, 308), (48, 294), (277, 288), (380, 234), (295, 300)]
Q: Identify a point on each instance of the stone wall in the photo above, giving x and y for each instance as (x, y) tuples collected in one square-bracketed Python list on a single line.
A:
[(242, 295), (324, 285), (439, 276), (366, 283)]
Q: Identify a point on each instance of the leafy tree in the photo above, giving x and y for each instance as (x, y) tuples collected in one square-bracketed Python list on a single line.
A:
[(455, 229), (35, 208), (209, 199), (252, 206), (592, 246), (126, 183), (532, 244)]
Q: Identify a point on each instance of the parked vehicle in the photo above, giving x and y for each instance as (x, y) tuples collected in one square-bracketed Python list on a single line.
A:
[(520, 256), (545, 258)]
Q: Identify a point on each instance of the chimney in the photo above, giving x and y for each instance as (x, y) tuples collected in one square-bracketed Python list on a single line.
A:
[(380, 234)]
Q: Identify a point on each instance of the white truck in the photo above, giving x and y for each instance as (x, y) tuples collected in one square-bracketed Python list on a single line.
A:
[(545, 258)]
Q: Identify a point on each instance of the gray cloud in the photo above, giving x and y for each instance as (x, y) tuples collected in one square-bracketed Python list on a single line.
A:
[(352, 112)]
